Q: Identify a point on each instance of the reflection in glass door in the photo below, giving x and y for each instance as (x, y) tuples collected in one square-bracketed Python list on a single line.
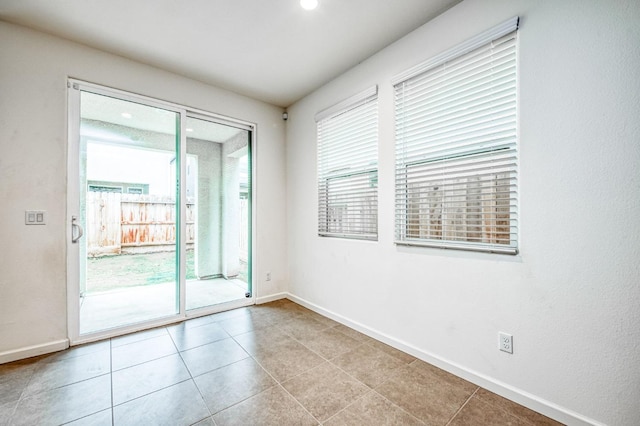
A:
[(128, 256), (218, 213)]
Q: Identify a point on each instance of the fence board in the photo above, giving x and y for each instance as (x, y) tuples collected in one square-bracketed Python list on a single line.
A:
[(117, 220), (103, 223)]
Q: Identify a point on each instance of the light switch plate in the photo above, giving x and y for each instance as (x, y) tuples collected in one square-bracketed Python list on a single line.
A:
[(35, 217)]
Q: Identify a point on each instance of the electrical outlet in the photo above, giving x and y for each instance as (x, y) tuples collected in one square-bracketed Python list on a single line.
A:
[(505, 342), (268, 276)]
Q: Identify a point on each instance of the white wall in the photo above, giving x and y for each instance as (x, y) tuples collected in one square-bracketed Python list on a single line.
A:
[(571, 298), (33, 154)]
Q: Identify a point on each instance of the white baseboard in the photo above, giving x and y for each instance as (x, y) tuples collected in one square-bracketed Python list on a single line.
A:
[(30, 351), (271, 298), (505, 390)]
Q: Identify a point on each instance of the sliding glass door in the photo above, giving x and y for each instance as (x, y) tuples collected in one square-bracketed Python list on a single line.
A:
[(160, 212)]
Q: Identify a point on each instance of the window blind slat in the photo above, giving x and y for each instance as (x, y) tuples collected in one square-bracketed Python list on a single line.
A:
[(446, 79), (475, 95), (456, 151)]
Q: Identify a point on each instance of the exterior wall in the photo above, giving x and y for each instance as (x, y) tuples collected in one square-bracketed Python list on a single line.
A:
[(232, 150), (208, 241), (33, 172), (571, 297)]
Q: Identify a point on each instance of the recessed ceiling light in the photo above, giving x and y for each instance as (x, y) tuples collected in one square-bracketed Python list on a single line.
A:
[(189, 129), (309, 4), (126, 115)]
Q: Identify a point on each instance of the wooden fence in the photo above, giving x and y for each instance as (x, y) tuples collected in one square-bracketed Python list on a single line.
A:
[(133, 223), (464, 209)]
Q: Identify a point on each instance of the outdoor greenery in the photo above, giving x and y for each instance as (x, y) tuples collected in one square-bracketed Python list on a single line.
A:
[(130, 270)]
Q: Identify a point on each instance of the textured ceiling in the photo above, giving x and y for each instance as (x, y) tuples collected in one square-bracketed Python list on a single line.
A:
[(271, 50)]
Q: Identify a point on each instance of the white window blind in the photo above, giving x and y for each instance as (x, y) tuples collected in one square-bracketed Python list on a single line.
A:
[(456, 147), (348, 168)]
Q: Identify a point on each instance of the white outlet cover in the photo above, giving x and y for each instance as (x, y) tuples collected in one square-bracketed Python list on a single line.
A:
[(505, 342)]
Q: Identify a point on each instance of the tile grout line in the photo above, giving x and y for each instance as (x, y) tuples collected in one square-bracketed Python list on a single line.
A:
[(370, 389), (401, 408), (36, 370), (360, 343), (258, 362), (415, 360), (58, 387), (21, 397), (373, 389), (137, 341), (13, 412), (299, 403), (279, 383), (505, 411), (179, 353), (325, 360), (360, 381), (91, 378), (329, 360), (254, 360), (163, 388), (152, 392), (349, 405), (463, 405)]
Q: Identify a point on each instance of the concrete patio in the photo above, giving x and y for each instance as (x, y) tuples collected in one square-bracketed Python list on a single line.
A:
[(104, 310)]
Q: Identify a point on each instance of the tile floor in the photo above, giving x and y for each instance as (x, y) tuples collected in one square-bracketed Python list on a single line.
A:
[(272, 364)]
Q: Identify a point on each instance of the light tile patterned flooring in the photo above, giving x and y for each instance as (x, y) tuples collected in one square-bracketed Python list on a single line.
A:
[(272, 364)]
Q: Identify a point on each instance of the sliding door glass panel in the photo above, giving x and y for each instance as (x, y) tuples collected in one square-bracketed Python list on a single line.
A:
[(128, 166), (217, 213)]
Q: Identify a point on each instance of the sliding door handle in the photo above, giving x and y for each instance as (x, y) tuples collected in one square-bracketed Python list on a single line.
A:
[(74, 226)]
